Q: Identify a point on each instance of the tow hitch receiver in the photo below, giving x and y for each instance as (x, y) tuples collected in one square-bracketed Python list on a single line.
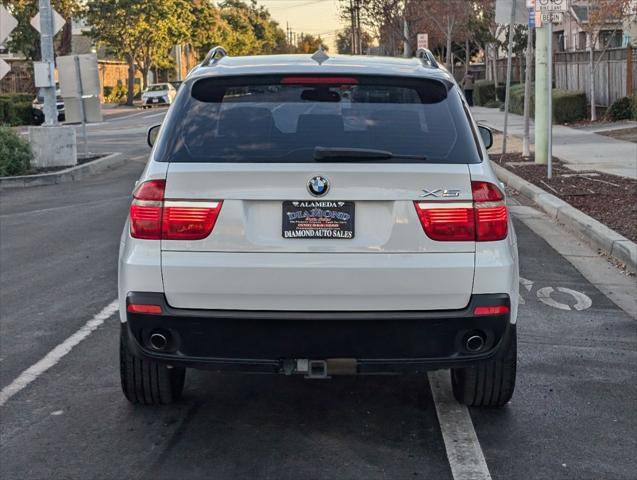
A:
[(316, 369), (321, 369)]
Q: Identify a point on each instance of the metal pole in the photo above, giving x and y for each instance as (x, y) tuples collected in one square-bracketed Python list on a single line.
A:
[(541, 91), (508, 85), (78, 79), (550, 101), (526, 151), (48, 56)]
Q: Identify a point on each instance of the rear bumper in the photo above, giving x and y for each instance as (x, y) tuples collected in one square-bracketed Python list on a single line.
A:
[(379, 342)]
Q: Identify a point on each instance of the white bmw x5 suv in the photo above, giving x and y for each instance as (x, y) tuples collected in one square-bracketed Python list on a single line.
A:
[(319, 216)]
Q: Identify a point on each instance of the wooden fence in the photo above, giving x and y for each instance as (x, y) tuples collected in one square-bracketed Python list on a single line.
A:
[(615, 75)]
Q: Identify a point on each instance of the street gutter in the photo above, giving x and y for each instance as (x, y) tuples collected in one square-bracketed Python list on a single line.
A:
[(72, 174), (594, 231)]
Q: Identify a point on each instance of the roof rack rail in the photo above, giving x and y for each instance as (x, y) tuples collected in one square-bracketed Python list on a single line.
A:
[(214, 55), (427, 58)]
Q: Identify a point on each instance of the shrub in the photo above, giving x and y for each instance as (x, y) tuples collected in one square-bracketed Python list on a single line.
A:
[(118, 94), (621, 109), (18, 97), (483, 92), (15, 153), (568, 105), (501, 89), (16, 109)]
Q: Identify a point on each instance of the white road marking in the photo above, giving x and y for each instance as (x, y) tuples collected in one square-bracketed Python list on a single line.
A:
[(582, 301), (55, 355), (528, 284), (461, 442)]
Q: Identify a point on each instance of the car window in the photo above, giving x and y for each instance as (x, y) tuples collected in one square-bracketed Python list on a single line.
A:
[(157, 88), (284, 119)]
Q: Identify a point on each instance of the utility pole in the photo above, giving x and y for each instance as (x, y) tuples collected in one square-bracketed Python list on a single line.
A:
[(507, 96), (406, 46), (359, 38), (526, 151), (48, 57), (352, 25), (542, 121)]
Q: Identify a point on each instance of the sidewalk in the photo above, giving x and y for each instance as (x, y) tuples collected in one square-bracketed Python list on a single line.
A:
[(581, 149)]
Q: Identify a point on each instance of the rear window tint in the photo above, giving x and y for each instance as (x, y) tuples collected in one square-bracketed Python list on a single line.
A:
[(285, 119)]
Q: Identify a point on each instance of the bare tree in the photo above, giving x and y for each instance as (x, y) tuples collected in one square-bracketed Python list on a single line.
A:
[(600, 16)]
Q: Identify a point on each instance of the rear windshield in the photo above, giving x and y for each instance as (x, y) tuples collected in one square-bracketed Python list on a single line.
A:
[(287, 119)]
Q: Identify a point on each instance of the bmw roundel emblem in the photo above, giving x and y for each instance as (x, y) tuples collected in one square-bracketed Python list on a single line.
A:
[(318, 186)]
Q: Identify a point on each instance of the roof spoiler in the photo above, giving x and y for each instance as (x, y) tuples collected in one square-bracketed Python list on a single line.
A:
[(427, 58)]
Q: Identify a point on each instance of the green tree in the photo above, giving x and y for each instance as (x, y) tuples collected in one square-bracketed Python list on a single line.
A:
[(310, 44), (141, 32), (253, 31), (344, 41)]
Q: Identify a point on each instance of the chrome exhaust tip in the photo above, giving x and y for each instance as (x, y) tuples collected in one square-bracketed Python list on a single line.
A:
[(474, 343), (158, 341)]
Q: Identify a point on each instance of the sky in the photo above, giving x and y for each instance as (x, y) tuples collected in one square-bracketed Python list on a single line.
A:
[(308, 16)]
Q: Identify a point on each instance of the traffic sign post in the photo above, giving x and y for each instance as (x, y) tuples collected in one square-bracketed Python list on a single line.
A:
[(547, 13), (47, 31), (423, 40)]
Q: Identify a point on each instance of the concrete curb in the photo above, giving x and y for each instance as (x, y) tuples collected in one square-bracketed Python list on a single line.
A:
[(69, 175), (597, 233)]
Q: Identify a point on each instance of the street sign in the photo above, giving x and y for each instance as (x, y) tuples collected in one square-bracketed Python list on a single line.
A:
[(503, 12), (551, 17), (423, 40), (531, 23), (4, 68), (58, 22), (530, 4), (87, 84), (7, 24), (551, 5)]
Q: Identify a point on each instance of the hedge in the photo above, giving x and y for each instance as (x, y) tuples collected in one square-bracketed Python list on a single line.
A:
[(16, 109), (568, 105), (483, 92)]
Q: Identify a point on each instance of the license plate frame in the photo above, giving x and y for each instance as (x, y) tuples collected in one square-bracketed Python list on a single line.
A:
[(318, 219)]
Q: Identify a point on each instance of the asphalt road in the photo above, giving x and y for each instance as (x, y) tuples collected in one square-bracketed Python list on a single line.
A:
[(572, 416)]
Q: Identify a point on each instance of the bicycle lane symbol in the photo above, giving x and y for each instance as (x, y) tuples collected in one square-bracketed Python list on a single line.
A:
[(544, 294)]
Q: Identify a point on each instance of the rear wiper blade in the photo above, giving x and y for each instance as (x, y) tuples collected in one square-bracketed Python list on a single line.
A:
[(324, 154)]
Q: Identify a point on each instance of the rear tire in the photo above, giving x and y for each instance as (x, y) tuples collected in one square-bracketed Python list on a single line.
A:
[(489, 384), (148, 382)]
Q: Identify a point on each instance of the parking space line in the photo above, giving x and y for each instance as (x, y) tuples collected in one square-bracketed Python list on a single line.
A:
[(55, 355), (461, 442)]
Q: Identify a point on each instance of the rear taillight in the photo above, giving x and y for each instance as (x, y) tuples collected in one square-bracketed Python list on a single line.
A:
[(485, 220), (447, 224), (189, 220), (154, 218), (492, 217), (146, 210)]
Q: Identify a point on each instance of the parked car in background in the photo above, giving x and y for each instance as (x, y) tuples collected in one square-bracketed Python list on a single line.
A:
[(38, 104), (158, 94)]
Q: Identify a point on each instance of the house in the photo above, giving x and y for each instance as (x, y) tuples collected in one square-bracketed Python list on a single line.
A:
[(569, 35)]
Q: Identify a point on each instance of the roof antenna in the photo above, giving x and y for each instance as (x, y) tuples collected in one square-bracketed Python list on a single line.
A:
[(320, 56)]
